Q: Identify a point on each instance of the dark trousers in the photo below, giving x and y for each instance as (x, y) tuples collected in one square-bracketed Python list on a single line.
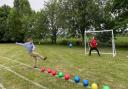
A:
[(94, 49)]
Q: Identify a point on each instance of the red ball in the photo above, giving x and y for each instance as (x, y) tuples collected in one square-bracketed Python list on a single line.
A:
[(42, 69), (49, 70), (67, 76), (54, 73)]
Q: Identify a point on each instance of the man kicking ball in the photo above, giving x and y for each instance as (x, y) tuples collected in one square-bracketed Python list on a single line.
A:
[(31, 50)]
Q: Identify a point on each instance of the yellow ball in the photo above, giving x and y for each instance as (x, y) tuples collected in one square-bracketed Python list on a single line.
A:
[(94, 86)]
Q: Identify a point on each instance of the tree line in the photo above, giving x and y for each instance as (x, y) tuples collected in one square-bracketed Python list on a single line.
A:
[(61, 19)]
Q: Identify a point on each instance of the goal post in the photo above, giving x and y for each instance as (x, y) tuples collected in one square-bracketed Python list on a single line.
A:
[(100, 34)]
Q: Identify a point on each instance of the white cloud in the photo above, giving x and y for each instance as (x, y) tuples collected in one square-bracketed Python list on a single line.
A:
[(7, 2), (37, 4)]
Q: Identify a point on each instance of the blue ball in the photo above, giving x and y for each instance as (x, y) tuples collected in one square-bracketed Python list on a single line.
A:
[(85, 82), (70, 45), (77, 79)]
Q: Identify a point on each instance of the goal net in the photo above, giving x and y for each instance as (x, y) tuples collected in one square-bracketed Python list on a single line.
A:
[(105, 40)]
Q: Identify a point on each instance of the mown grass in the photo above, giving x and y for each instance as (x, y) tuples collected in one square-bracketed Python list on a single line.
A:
[(104, 70)]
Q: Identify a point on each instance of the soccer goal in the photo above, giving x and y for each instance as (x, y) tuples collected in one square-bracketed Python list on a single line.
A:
[(105, 40)]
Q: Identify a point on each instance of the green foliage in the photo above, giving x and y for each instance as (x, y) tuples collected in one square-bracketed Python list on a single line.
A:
[(4, 28), (53, 15), (15, 26), (120, 10), (120, 4), (38, 26), (61, 19), (19, 20), (22, 7), (121, 41)]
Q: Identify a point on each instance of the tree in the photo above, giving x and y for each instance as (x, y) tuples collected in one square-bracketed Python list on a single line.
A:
[(120, 13), (87, 14), (41, 25), (15, 26), (22, 7), (38, 26), (19, 20), (52, 10), (4, 13)]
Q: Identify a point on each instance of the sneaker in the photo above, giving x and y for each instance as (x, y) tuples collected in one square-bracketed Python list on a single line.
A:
[(45, 58)]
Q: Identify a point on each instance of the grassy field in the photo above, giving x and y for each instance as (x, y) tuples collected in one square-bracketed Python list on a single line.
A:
[(16, 71)]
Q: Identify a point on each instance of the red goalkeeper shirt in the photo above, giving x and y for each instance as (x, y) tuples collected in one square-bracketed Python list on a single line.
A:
[(93, 43)]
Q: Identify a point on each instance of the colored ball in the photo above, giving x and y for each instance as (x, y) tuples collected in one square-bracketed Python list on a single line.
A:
[(77, 79), (49, 70), (60, 74), (70, 45), (67, 76), (94, 86), (85, 82), (106, 87), (53, 73)]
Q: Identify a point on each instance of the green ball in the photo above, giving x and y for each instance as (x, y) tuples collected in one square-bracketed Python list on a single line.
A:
[(60, 74), (106, 87)]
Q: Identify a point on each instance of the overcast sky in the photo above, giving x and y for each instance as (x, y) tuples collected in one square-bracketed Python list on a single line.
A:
[(35, 4)]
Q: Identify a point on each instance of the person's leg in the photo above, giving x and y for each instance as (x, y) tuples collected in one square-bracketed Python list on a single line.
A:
[(38, 55), (97, 51), (35, 61), (90, 51)]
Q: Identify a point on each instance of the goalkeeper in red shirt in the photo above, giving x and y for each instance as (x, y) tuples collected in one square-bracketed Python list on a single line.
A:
[(93, 46)]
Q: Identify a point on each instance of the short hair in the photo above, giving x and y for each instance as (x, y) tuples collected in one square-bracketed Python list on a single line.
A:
[(94, 37), (28, 38)]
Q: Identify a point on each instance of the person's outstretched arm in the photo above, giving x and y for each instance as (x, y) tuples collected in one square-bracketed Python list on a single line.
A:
[(22, 44)]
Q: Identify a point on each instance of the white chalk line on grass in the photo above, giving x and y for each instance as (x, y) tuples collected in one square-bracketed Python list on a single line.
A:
[(15, 61), (1, 85), (23, 77), (5, 64), (13, 66), (30, 67), (17, 54)]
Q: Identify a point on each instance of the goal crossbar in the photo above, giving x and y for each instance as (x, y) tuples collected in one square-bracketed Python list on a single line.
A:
[(99, 31)]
